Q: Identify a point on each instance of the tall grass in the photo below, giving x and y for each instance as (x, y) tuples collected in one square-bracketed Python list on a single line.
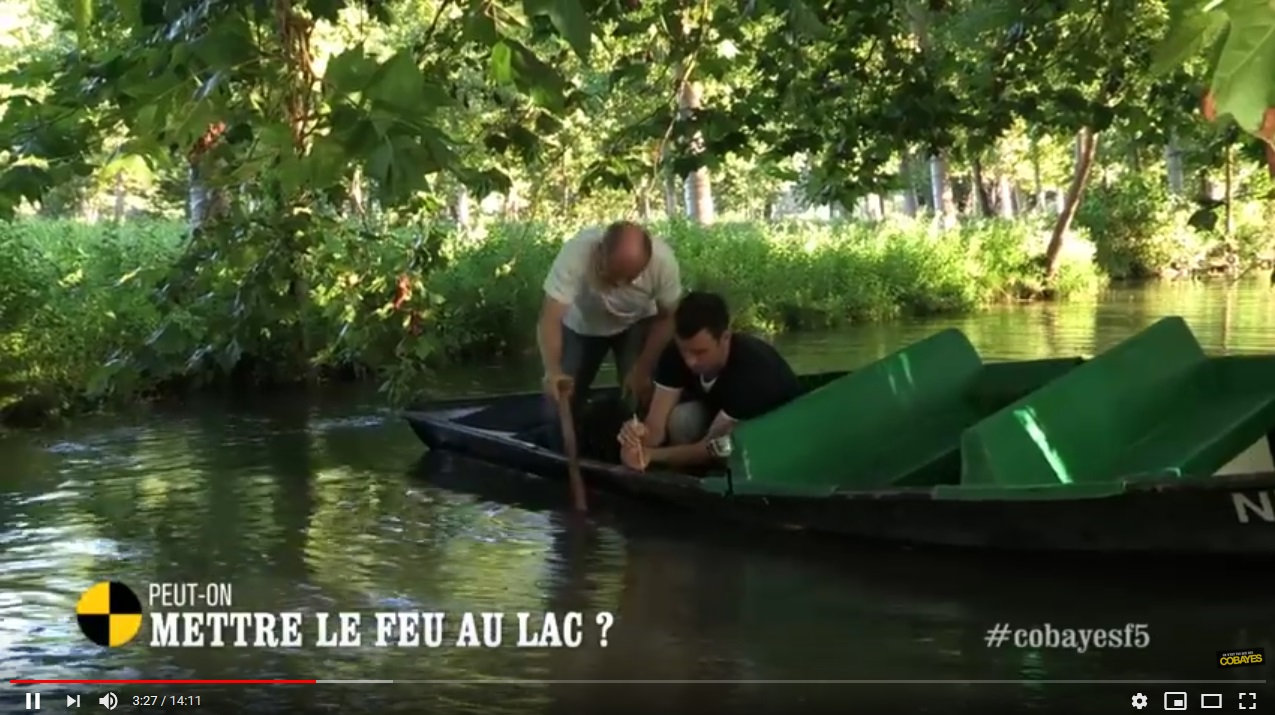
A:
[(87, 312)]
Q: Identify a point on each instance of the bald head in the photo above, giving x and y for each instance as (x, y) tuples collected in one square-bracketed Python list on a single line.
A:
[(626, 249)]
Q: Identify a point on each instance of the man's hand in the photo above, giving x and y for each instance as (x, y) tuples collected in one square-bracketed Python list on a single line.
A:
[(633, 451), (635, 457), (557, 385), (632, 434), (638, 383)]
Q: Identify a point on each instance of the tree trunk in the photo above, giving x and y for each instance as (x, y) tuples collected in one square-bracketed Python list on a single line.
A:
[(119, 196), (699, 189), (509, 207), (358, 203), (1038, 186), (295, 34), (1208, 188), (670, 196), (980, 190), (203, 202), (909, 185), (1005, 198), (1228, 197), (941, 191), (1086, 145), (940, 184), (1173, 165), (463, 214), (873, 207)]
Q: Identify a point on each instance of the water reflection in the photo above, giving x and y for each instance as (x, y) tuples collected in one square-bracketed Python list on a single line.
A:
[(328, 506), (1227, 317)]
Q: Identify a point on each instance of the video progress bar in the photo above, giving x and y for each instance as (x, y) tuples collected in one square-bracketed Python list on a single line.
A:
[(514, 681), (517, 681), (163, 682)]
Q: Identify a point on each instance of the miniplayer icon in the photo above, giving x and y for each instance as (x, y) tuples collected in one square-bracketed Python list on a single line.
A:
[(1175, 701)]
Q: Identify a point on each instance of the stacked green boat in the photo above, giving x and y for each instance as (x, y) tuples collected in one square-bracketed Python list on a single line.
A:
[(936, 415)]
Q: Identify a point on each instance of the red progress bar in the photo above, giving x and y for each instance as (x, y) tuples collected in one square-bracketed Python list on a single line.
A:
[(163, 682)]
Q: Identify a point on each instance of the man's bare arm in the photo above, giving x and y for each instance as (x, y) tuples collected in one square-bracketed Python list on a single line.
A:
[(692, 455), (549, 335), (656, 422), (657, 338)]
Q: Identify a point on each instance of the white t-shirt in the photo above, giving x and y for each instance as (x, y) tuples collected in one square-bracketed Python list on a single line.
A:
[(599, 312)]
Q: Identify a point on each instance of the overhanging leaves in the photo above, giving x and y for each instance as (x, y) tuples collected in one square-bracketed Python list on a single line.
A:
[(569, 19), (1242, 82), (1194, 26)]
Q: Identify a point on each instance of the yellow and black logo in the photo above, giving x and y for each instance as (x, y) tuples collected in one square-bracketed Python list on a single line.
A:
[(109, 613), (1241, 658)]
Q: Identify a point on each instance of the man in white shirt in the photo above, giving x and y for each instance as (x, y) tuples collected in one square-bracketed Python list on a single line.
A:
[(609, 291)]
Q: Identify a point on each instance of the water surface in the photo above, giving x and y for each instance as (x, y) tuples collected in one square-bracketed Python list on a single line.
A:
[(332, 505)]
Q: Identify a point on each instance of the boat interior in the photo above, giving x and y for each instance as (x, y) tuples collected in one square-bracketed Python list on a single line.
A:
[(935, 415)]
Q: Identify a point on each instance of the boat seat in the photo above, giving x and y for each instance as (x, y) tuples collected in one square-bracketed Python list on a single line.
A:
[(926, 454), (867, 429), (1202, 436), (1000, 384), (1081, 427)]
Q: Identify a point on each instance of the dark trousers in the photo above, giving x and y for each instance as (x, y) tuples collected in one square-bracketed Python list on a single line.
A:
[(582, 357)]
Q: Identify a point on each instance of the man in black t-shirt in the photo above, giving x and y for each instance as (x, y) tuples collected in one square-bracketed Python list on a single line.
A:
[(705, 381)]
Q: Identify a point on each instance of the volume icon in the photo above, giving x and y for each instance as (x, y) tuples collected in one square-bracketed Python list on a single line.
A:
[(108, 701)]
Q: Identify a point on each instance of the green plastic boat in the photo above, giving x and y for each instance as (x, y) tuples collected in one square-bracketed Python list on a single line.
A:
[(1152, 446)]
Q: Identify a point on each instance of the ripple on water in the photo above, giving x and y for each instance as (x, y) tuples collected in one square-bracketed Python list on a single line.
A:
[(70, 448), (320, 426)]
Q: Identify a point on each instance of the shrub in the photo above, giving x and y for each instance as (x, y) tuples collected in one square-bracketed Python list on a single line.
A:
[(1139, 230), (94, 311)]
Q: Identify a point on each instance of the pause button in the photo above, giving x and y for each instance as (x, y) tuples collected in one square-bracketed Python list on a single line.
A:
[(33, 701)]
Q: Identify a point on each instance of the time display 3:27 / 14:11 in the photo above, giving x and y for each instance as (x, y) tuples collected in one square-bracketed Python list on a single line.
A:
[(157, 701)]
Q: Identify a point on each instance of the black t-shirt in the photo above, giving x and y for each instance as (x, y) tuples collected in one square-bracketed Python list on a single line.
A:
[(755, 381)]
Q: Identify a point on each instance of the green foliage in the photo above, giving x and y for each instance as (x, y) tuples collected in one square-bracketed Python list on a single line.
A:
[(1253, 243), (1240, 37), (75, 300), (1138, 229), (97, 312), (329, 136)]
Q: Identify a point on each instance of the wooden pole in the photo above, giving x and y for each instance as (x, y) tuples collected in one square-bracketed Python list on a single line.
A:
[(572, 450)]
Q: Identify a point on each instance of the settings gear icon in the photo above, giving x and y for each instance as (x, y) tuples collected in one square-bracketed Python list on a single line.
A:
[(1139, 701)]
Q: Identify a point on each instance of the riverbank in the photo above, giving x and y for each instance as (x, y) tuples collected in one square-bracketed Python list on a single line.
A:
[(91, 314)]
